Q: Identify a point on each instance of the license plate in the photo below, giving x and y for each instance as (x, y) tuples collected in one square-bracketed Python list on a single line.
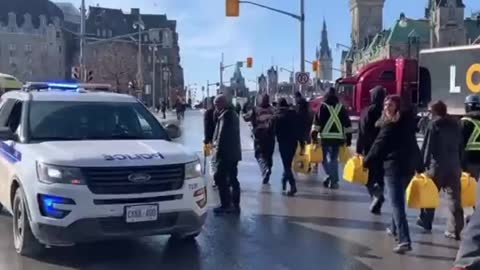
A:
[(141, 213)]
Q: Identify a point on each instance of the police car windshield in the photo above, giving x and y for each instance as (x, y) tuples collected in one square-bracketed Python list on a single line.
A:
[(61, 120)]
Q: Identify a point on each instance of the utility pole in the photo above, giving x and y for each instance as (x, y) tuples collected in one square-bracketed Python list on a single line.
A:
[(221, 73), (154, 49), (83, 72)]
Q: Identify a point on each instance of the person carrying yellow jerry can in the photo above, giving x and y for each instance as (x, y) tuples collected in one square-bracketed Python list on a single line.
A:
[(331, 129), (367, 133)]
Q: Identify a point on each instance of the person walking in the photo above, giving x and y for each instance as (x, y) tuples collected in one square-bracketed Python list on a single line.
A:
[(442, 153), (471, 136), (264, 139), (164, 110), (288, 134), (227, 154), (305, 117), (209, 121), (396, 145), (332, 126), (367, 133)]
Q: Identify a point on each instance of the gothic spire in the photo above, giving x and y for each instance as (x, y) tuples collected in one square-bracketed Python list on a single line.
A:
[(325, 51)]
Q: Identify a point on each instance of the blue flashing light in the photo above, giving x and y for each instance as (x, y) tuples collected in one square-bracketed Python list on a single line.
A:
[(63, 85), (47, 206)]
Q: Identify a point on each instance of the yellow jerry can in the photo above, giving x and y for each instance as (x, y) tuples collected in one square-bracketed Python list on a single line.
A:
[(344, 154), (422, 193), (469, 190), (354, 171), (301, 164), (315, 153)]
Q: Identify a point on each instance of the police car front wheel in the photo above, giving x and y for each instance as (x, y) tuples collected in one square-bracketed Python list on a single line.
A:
[(23, 238)]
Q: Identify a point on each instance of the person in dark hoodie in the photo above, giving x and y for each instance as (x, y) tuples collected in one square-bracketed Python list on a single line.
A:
[(286, 128), (305, 117), (227, 154), (442, 154), (397, 147), (367, 133), (332, 127), (209, 121), (264, 139)]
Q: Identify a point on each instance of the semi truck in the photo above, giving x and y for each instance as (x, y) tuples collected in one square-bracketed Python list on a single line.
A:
[(448, 74)]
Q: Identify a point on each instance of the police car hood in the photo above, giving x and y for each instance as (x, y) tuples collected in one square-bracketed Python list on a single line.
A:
[(112, 153)]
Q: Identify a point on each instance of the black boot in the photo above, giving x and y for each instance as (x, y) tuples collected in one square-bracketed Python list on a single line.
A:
[(284, 185), (376, 205), (293, 188), (326, 182)]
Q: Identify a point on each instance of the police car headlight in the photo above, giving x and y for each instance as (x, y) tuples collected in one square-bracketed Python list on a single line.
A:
[(50, 174), (193, 170)]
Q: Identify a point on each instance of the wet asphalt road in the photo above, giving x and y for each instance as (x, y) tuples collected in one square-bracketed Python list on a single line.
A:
[(318, 229)]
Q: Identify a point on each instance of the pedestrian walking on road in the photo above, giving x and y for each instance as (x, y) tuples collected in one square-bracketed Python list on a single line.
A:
[(227, 154), (332, 127), (264, 138), (367, 133), (164, 109), (209, 121), (442, 153), (397, 146), (471, 136), (287, 130), (305, 117)]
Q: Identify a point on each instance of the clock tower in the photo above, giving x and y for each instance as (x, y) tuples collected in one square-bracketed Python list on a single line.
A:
[(367, 20)]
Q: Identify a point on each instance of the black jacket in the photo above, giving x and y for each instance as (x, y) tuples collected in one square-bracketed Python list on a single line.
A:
[(443, 146), (323, 115), (469, 157), (209, 125), (396, 145), (286, 126), (305, 119), (367, 131), (226, 138)]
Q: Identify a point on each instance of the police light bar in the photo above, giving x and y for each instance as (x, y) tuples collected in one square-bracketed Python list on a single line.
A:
[(49, 86)]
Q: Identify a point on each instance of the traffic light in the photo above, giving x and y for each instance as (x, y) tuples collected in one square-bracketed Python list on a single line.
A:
[(76, 73), (315, 66), (249, 62), (90, 76), (232, 8)]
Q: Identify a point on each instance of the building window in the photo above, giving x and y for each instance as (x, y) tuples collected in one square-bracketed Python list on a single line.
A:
[(29, 60), (12, 47), (58, 34), (60, 49), (11, 61), (145, 38), (388, 76), (110, 33), (104, 32), (28, 47), (451, 13), (99, 33)]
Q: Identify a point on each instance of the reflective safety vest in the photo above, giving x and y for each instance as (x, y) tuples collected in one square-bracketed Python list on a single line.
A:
[(328, 132), (473, 143)]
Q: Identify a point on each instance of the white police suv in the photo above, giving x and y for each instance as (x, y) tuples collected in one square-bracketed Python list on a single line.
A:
[(79, 166)]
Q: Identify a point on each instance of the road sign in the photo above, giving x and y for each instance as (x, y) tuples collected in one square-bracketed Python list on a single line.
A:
[(302, 77)]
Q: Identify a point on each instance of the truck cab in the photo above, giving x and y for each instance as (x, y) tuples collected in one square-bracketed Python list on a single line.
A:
[(397, 76)]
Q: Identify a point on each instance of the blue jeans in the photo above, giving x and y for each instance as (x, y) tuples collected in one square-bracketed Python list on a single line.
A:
[(396, 191), (330, 161)]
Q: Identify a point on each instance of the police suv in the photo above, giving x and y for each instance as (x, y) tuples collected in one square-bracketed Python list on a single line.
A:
[(80, 166)]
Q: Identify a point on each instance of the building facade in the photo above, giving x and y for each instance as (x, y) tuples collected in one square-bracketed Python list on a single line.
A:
[(32, 44), (237, 84), (272, 78), (324, 56), (444, 25)]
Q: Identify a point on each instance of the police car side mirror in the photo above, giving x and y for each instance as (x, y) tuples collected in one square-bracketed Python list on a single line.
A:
[(173, 131), (6, 134)]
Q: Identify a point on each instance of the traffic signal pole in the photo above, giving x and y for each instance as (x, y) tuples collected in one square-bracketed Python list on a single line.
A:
[(83, 72), (300, 18)]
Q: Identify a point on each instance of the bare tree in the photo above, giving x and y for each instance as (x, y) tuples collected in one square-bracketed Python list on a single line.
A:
[(114, 63)]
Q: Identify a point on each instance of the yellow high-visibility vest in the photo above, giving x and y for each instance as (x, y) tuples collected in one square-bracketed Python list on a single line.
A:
[(334, 120), (473, 144)]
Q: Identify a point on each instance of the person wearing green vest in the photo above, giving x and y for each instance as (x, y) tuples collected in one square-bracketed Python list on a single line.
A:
[(471, 136), (332, 129)]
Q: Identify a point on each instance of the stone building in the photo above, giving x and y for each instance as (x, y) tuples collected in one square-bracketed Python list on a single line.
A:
[(262, 84), (32, 44), (324, 56), (237, 84), (272, 79), (444, 25)]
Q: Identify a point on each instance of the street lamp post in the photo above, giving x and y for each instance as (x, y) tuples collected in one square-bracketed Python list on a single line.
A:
[(140, 26), (154, 48)]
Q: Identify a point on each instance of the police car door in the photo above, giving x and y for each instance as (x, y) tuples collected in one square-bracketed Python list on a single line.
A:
[(10, 115)]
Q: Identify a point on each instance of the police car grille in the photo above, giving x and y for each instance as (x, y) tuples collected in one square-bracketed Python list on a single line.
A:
[(113, 180)]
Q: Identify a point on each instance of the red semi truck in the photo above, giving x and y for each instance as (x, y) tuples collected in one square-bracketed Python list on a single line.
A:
[(447, 74)]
